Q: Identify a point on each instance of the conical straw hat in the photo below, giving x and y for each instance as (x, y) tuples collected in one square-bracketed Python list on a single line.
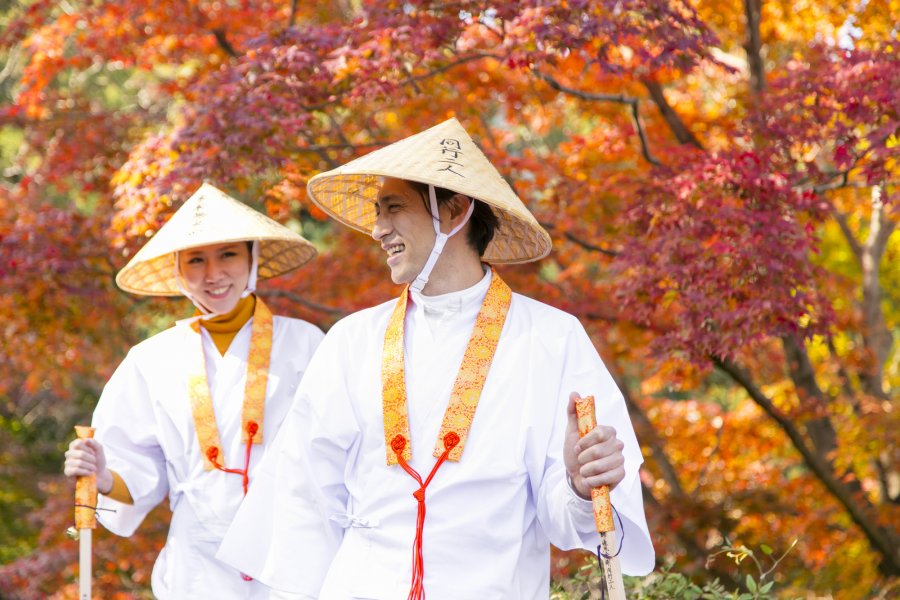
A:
[(208, 217), (443, 156)]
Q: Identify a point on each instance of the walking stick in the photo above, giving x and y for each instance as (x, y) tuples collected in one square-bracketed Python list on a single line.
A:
[(85, 520), (609, 562)]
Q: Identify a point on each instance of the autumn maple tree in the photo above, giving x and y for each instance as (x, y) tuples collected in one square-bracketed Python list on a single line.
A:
[(720, 181)]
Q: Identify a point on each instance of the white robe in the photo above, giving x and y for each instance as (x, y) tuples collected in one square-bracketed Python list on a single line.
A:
[(490, 518), (145, 424)]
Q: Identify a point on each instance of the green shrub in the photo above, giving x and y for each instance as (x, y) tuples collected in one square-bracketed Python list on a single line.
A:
[(664, 584)]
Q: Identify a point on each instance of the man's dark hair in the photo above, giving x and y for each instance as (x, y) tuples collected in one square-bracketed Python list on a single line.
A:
[(482, 224)]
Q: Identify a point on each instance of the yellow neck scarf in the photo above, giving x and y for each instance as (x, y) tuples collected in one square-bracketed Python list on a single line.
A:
[(223, 328)]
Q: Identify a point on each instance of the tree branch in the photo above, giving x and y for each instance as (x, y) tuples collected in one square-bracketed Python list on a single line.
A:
[(841, 181), (876, 336), (682, 133), (616, 98), (648, 435), (335, 126), (685, 531), (819, 428), (679, 507), (452, 65), (224, 44), (841, 219), (581, 242), (292, 19), (846, 386), (753, 45), (678, 504), (588, 246), (883, 540), (317, 149), (10, 67), (642, 136), (409, 78), (499, 34), (296, 298), (487, 131), (884, 483)]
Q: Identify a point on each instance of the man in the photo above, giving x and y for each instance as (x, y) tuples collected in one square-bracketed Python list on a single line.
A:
[(435, 447)]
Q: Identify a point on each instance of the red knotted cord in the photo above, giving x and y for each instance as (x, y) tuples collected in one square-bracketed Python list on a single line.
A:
[(417, 587), (212, 453)]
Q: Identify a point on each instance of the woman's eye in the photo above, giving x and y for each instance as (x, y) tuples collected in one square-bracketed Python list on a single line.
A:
[(195, 260)]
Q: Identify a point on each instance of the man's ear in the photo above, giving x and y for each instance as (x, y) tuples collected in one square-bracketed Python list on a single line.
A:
[(458, 205)]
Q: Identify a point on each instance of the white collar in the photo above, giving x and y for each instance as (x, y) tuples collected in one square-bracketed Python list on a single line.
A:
[(453, 302)]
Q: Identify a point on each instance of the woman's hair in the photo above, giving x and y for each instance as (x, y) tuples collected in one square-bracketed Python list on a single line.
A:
[(482, 224)]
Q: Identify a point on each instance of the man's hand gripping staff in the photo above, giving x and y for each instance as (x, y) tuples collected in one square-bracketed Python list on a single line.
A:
[(609, 561)]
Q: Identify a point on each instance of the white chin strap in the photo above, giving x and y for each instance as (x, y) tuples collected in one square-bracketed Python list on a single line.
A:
[(439, 241), (251, 283), (254, 268)]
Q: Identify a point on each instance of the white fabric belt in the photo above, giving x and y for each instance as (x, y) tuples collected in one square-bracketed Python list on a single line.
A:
[(347, 520)]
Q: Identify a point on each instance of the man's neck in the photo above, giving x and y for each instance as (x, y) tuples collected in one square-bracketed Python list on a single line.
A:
[(454, 275)]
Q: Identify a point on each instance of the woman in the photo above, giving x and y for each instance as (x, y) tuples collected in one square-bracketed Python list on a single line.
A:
[(190, 411)]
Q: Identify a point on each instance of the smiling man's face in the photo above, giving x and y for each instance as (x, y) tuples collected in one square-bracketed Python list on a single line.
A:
[(404, 229)]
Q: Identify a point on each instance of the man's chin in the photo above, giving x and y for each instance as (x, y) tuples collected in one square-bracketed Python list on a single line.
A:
[(401, 278)]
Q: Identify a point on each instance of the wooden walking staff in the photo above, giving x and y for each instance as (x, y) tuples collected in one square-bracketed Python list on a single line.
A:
[(609, 560), (85, 520)]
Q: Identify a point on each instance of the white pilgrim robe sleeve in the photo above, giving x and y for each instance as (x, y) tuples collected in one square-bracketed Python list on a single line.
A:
[(565, 517), (126, 427), (281, 535)]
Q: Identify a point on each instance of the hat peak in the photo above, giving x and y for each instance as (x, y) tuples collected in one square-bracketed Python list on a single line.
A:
[(445, 156), (211, 217)]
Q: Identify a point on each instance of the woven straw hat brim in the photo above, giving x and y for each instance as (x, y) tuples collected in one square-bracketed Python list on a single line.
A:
[(444, 156), (211, 217)]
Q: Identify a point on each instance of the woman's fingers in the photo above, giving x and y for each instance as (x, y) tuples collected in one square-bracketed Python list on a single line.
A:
[(81, 459)]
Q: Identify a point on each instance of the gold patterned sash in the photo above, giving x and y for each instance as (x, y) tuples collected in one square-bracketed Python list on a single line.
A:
[(469, 381), (254, 392)]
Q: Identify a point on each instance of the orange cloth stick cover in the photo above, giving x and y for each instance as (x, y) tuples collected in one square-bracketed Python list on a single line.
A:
[(85, 490), (587, 421)]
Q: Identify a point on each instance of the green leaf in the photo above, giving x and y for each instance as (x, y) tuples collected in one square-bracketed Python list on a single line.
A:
[(765, 549), (751, 584)]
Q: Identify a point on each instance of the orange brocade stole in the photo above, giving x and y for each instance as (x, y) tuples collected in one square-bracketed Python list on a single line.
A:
[(254, 396), (460, 410)]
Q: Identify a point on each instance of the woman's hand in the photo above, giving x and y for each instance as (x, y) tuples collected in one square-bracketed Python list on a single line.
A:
[(86, 457)]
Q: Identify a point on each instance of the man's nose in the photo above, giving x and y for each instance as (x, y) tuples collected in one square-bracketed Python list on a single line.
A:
[(381, 228)]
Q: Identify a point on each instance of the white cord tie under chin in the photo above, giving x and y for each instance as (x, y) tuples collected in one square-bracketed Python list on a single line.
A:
[(440, 240)]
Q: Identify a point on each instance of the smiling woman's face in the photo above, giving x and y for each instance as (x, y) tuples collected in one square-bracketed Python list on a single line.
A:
[(216, 275)]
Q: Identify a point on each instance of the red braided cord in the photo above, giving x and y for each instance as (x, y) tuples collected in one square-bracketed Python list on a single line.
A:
[(417, 587), (212, 453)]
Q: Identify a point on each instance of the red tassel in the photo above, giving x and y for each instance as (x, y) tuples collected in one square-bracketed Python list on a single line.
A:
[(417, 586), (212, 453)]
